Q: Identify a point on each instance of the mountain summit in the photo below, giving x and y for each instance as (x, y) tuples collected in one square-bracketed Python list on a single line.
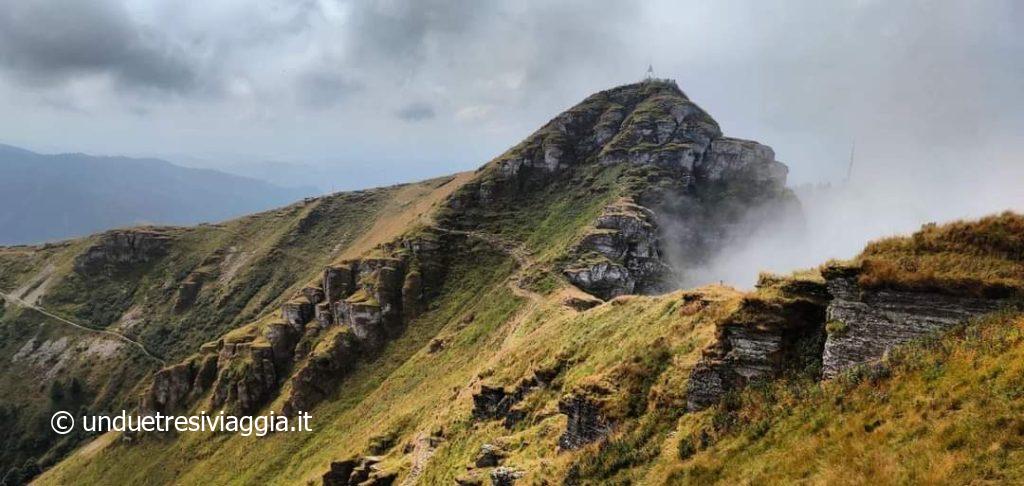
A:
[(685, 187)]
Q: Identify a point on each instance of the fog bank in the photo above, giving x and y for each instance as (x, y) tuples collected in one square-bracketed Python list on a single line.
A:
[(891, 192)]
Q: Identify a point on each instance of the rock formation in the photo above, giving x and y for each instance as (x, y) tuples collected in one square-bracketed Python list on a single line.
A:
[(361, 471), (324, 330), (764, 338), (621, 255), (865, 323), (120, 248), (585, 422)]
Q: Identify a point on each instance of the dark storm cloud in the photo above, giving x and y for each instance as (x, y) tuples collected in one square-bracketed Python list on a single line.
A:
[(416, 112), (51, 41)]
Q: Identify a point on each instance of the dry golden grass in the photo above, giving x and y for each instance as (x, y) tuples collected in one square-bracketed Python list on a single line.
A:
[(983, 258), (941, 412), (410, 206)]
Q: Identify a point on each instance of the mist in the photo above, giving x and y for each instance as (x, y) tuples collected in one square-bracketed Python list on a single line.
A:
[(889, 193)]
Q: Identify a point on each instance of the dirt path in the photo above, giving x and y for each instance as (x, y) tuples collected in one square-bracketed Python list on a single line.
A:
[(518, 252), (21, 303)]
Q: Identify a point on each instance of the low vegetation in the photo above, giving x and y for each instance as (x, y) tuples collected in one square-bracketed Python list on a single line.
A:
[(982, 258), (944, 411)]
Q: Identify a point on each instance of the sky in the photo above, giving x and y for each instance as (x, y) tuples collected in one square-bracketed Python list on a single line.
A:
[(397, 90)]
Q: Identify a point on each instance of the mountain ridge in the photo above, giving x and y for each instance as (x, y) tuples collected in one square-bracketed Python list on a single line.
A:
[(518, 324), (49, 197)]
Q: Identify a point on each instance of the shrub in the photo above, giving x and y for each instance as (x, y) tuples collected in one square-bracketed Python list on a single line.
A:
[(836, 328)]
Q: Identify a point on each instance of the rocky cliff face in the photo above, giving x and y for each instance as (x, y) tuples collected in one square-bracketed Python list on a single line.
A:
[(822, 329), (121, 248), (864, 324), (764, 338), (621, 255), (692, 184), (323, 331)]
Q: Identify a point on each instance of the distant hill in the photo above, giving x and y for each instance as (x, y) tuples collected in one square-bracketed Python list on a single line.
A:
[(49, 197)]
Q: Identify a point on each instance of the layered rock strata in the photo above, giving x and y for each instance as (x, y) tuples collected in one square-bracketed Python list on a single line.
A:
[(865, 323), (358, 306), (763, 339)]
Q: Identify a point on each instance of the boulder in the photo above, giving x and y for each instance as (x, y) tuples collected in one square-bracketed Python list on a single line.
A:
[(505, 476), (490, 455)]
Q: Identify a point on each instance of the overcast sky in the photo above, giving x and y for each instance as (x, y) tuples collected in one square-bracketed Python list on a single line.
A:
[(403, 89)]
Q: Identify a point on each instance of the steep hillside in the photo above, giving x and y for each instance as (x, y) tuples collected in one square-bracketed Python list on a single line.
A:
[(120, 305), (515, 325), (516, 384), (52, 197)]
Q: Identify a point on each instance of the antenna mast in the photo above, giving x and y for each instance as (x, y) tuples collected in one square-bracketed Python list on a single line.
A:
[(849, 168)]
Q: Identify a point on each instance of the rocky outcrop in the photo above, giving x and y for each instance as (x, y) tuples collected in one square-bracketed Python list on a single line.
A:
[(821, 329), (865, 323), (175, 387), (362, 471), (505, 476), (736, 159), (497, 403), (121, 248), (490, 455), (324, 329), (585, 422), (621, 255), (764, 338), (311, 383), (247, 378)]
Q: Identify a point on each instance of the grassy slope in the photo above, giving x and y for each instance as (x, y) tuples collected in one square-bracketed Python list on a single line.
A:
[(947, 411), (984, 257), (250, 264), (560, 213)]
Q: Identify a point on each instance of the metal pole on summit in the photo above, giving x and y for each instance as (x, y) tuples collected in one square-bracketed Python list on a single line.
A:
[(849, 168)]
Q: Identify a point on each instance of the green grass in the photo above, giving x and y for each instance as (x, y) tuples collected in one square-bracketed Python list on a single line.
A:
[(278, 251)]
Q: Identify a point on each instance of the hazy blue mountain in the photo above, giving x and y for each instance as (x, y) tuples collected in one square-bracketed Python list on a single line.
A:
[(49, 197)]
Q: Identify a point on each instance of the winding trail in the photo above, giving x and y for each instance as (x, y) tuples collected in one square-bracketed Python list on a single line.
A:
[(518, 252), (117, 335)]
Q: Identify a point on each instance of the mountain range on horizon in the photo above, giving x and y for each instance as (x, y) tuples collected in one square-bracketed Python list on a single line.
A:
[(59, 196), (538, 320)]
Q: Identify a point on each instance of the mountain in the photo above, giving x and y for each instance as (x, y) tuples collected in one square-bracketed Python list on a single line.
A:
[(51, 197), (524, 324)]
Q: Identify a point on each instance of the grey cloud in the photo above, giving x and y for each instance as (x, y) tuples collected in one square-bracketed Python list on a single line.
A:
[(50, 41), (324, 88), (416, 112), (403, 31)]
